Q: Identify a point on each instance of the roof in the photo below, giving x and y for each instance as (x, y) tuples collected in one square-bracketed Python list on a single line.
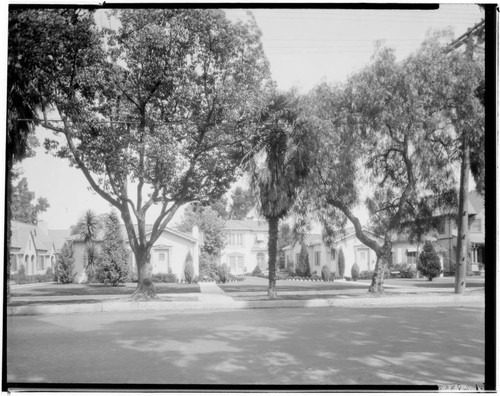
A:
[(59, 237), (312, 239), (251, 225), (149, 227), (41, 239), (476, 202), (20, 238)]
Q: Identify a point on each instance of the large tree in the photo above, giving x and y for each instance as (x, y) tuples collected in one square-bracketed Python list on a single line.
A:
[(39, 43), (22, 207), (162, 107), (384, 129), (242, 201), (210, 224), (278, 165)]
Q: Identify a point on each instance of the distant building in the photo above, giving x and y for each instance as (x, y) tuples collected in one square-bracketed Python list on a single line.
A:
[(246, 245), (168, 254), (34, 247), (448, 230), (320, 254)]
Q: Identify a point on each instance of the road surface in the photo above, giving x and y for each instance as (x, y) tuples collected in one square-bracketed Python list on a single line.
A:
[(332, 346)]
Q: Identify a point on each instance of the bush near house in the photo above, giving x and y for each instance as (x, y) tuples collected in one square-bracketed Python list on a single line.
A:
[(223, 273), (189, 269), (341, 263), (257, 271), (21, 278), (303, 268), (355, 272), (325, 273), (162, 277), (428, 261), (65, 264)]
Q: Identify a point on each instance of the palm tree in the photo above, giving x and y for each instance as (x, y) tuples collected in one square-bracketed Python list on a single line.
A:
[(277, 164), (88, 227)]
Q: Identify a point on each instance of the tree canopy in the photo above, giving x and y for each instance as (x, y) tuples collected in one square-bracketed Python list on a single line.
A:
[(23, 209), (164, 106)]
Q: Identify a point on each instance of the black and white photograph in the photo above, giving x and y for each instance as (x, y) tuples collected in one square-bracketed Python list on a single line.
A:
[(250, 197)]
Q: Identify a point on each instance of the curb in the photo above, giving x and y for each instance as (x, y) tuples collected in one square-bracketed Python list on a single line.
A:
[(131, 306)]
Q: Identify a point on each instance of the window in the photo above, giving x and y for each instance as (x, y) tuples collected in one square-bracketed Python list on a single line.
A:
[(441, 226), (411, 258), (333, 252), (317, 259), (260, 260), (236, 263), (236, 240), (161, 257), (39, 263), (297, 259)]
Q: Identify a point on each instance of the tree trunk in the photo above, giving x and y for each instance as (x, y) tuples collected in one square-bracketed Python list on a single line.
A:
[(463, 219), (145, 286), (383, 254), (8, 212), (272, 251)]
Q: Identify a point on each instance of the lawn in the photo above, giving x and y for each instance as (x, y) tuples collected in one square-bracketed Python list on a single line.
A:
[(72, 289), (281, 286)]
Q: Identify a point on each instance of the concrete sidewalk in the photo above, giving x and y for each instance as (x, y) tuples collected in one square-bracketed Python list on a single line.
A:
[(213, 298)]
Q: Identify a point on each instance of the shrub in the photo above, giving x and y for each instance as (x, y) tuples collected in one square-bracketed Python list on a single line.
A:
[(428, 261), (223, 273), (65, 264), (409, 272), (208, 267), (257, 271), (325, 273), (341, 263), (189, 269), (366, 275), (355, 272), (162, 277), (303, 268), (112, 266)]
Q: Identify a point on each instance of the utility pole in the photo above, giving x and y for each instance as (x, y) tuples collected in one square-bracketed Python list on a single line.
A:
[(462, 258)]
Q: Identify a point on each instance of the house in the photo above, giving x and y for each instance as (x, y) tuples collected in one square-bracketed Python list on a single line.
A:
[(33, 247), (168, 254), (448, 230), (246, 245), (354, 251), (320, 254)]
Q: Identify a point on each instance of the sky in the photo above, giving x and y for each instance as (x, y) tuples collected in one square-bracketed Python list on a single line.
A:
[(303, 47)]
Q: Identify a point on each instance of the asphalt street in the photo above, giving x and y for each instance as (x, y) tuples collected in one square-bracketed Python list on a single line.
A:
[(332, 346)]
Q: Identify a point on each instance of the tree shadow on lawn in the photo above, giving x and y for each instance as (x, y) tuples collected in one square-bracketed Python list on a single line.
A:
[(310, 287), (330, 346), (98, 289), (436, 285)]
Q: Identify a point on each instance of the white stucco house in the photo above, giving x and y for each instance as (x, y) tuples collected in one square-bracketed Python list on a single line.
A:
[(246, 245), (169, 252), (320, 254)]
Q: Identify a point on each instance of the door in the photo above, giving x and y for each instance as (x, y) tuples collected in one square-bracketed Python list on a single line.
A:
[(362, 259)]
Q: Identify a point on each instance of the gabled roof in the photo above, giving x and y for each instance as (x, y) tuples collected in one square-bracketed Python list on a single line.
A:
[(41, 239), (312, 239), (476, 203), (20, 238), (251, 225)]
